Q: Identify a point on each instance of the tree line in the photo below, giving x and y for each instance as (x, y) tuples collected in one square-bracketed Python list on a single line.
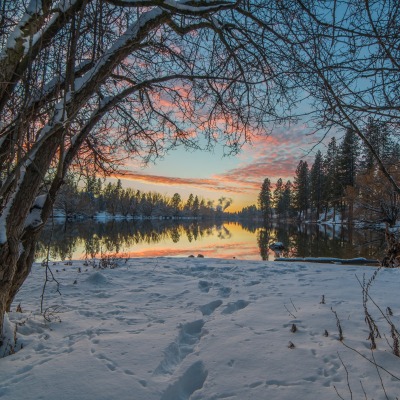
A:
[(344, 184), (95, 196)]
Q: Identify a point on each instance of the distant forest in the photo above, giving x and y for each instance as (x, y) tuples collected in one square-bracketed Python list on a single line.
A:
[(344, 185), (94, 196)]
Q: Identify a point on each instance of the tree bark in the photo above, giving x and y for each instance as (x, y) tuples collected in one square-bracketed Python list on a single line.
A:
[(24, 265), (8, 264)]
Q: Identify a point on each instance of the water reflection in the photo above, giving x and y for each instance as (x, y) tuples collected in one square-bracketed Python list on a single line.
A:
[(321, 241), (149, 238)]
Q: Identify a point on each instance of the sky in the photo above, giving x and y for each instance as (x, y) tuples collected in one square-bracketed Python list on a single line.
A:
[(212, 175)]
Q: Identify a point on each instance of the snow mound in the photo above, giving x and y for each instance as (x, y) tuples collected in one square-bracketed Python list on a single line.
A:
[(97, 278)]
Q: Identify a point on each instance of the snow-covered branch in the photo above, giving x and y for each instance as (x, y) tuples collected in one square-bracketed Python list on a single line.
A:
[(32, 34), (185, 7)]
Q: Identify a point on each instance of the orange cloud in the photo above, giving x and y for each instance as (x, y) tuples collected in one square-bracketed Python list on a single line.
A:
[(253, 174), (214, 184)]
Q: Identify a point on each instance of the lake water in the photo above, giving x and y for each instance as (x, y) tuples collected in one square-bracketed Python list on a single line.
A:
[(247, 241)]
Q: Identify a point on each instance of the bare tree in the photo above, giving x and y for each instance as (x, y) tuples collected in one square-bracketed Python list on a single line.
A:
[(87, 83), (345, 56)]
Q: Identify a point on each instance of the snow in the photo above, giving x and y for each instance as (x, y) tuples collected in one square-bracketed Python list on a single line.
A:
[(34, 7), (34, 218), (185, 6), (198, 328), (6, 210)]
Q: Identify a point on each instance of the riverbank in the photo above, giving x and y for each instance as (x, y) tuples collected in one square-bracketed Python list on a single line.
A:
[(198, 328)]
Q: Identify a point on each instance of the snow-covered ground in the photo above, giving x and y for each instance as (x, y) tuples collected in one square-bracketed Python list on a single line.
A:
[(198, 328)]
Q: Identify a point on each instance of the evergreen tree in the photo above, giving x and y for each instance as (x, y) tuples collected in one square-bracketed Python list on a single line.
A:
[(176, 203), (378, 135), (302, 189), (317, 183), (287, 199), (91, 193), (110, 198), (278, 196), (348, 168), (91, 183), (348, 158), (189, 204), (333, 190), (264, 200), (196, 206)]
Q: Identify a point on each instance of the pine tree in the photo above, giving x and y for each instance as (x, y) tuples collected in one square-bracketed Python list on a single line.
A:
[(287, 199), (333, 190), (278, 196), (301, 189), (176, 204), (196, 206), (91, 192), (348, 158), (189, 204), (379, 136), (317, 183), (264, 200), (348, 165)]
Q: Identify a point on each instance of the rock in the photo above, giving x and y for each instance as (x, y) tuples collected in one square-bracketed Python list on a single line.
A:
[(277, 246)]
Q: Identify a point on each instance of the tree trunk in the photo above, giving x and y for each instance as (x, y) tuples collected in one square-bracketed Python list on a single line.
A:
[(8, 264), (350, 213), (24, 265), (17, 253)]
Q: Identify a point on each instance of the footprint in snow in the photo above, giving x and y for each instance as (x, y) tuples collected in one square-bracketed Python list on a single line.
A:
[(224, 291), (236, 306), (208, 309), (189, 335), (193, 379), (204, 286)]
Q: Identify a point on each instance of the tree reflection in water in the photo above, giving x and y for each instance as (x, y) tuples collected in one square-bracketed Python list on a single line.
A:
[(112, 236), (249, 240), (312, 240)]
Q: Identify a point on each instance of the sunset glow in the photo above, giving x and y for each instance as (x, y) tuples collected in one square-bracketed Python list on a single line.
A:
[(210, 175)]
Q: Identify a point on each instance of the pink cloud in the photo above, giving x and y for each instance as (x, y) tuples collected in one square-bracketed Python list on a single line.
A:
[(213, 184), (275, 156)]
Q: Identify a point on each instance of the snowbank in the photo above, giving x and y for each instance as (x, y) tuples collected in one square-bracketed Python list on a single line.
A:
[(174, 329)]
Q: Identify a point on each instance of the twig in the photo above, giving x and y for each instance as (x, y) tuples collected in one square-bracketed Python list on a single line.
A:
[(339, 326), (373, 328), (393, 330), (289, 311), (372, 362), (338, 393), (379, 374), (48, 271), (362, 387), (293, 305), (347, 376)]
